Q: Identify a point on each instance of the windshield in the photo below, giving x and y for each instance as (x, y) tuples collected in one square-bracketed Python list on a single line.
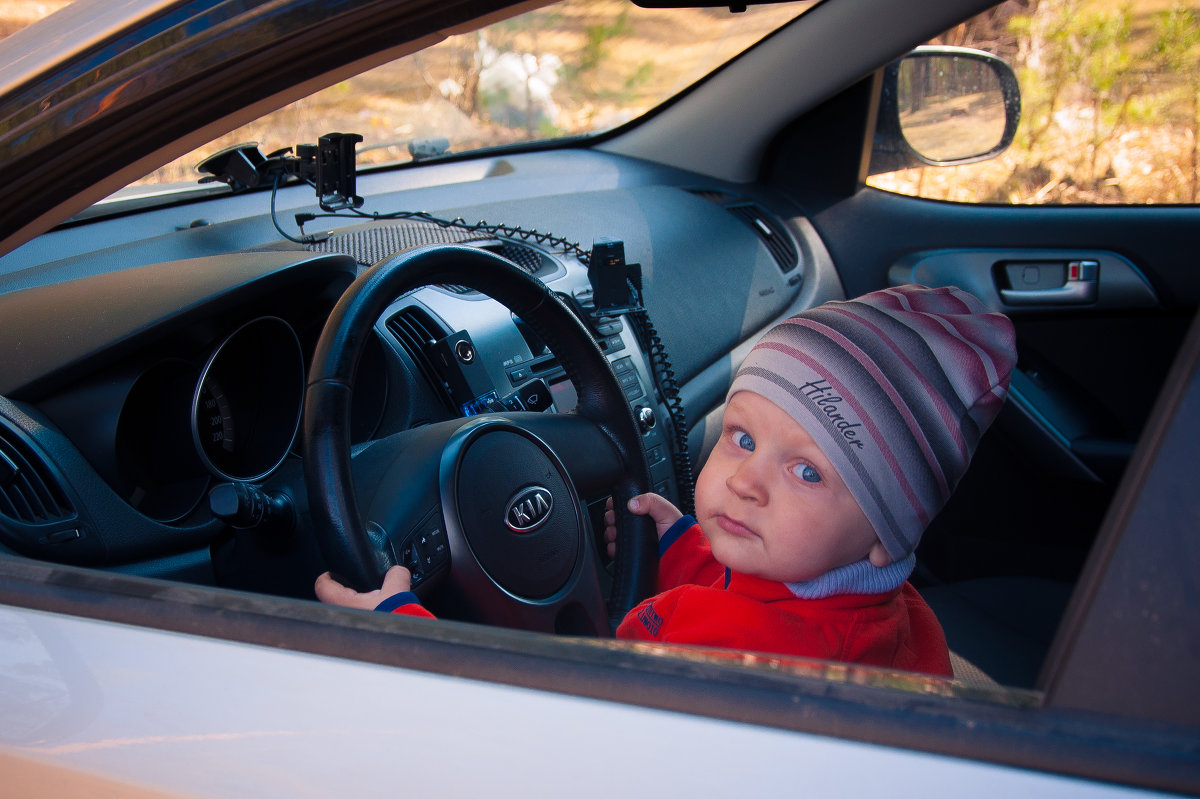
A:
[(573, 68)]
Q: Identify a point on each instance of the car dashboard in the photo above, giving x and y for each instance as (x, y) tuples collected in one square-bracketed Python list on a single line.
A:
[(149, 376)]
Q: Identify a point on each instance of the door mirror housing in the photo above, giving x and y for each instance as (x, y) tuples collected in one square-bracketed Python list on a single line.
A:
[(944, 106)]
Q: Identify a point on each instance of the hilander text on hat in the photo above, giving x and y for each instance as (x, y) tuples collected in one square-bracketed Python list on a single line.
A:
[(827, 401)]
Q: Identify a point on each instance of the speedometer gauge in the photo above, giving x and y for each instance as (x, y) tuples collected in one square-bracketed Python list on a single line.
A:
[(246, 405), (214, 421)]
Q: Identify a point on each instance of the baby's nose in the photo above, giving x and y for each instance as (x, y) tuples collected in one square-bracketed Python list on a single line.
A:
[(747, 480)]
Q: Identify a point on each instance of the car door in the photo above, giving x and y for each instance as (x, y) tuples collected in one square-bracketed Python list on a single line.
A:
[(1101, 290)]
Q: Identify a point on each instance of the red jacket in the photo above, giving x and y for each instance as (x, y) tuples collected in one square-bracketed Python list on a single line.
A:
[(702, 603), (699, 604)]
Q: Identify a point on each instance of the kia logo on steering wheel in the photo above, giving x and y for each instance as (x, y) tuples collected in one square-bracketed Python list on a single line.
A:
[(528, 509)]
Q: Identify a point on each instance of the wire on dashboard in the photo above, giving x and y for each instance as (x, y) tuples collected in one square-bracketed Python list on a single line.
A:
[(651, 343)]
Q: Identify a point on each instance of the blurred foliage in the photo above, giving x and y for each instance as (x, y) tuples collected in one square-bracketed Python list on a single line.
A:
[(1177, 48), (1109, 106), (605, 62)]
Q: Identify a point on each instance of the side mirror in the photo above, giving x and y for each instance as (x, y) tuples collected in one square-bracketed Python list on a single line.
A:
[(944, 106)]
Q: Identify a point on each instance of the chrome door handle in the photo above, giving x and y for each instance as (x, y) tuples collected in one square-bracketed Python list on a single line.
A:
[(1081, 287)]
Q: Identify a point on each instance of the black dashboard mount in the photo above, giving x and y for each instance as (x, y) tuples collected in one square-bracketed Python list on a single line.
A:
[(329, 166), (616, 285)]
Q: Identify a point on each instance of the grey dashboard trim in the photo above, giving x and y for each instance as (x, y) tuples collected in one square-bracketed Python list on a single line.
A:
[(704, 394)]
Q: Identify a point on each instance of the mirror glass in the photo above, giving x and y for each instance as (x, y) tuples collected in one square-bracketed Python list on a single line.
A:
[(951, 106)]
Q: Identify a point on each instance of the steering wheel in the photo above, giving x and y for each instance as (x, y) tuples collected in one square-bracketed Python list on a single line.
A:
[(487, 508)]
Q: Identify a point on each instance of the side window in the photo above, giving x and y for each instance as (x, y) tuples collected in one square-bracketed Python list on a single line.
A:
[(1110, 106)]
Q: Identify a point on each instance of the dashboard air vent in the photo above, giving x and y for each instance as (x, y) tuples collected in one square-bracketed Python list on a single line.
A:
[(417, 331), (29, 492), (770, 231)]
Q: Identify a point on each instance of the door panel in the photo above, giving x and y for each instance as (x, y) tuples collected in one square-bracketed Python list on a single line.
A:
[(999, 561), (1088, 372)]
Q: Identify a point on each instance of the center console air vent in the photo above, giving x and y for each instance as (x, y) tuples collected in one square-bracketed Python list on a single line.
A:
[(770, 231), (417, 331), (29, 492)]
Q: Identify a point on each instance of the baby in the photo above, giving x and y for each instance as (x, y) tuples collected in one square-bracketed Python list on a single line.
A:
[(845, 431)]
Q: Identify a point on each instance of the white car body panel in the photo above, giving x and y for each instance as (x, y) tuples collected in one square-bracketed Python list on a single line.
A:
[(183, 715)]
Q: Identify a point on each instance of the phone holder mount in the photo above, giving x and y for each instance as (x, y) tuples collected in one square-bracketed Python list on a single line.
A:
[(329, 165), (616, 285)]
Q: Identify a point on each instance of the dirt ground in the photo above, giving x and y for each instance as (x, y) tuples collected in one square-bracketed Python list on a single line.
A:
[(16, 14)]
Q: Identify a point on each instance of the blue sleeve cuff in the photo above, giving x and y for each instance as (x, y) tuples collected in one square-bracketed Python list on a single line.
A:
[(681, 526), (398, 600)]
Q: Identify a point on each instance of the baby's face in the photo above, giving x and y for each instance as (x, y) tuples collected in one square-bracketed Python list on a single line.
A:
[(770, 502)]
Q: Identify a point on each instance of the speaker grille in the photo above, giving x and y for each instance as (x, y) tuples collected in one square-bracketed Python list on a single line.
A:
[(369, 245)]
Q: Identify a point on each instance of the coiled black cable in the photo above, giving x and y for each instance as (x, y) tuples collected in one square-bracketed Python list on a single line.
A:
[(668, 388), (647, 335), (482, 226)]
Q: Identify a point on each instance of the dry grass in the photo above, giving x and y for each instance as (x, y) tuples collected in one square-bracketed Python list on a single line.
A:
[(666, 50), (393, 104), (1145, 165)]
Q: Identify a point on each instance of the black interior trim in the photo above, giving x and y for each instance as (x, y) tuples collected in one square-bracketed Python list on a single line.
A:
[(1131, 635)]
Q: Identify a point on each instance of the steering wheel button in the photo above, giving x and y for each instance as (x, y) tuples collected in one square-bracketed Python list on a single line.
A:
[(535, 396)]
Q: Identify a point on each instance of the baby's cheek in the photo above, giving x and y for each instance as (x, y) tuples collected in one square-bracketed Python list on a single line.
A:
[(708, 488), (719, 545), (706, 524)]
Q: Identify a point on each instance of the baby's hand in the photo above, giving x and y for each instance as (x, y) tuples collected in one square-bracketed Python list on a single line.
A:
[(397, 580), (656, 507)]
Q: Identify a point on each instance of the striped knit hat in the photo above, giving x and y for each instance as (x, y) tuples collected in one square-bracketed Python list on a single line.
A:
[(896, 388)]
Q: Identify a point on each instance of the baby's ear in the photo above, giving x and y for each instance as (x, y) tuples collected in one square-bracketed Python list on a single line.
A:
[(879, 555)]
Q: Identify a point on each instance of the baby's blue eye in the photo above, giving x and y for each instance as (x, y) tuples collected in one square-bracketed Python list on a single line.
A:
[(744, 440), (807, 473)]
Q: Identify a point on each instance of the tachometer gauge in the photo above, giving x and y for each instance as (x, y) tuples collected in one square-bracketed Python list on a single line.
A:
[(246, 406), (158, 472)]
